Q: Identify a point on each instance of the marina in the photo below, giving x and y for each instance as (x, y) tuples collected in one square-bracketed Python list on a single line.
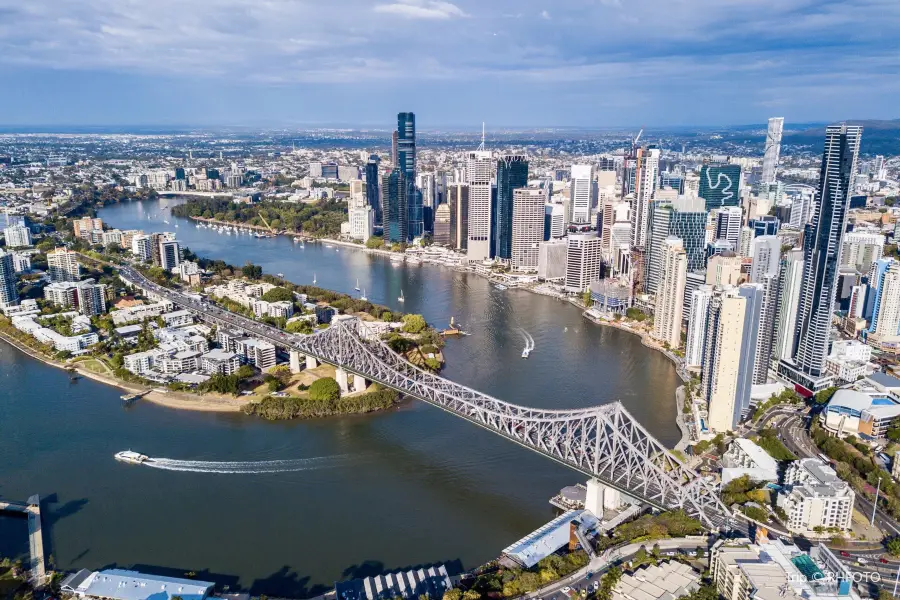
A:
[(32, 510)]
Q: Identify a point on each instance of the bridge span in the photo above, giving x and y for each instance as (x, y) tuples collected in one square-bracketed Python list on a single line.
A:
[(605, 442)]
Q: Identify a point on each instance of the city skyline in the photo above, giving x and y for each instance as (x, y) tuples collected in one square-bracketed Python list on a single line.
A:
[(236, 62)]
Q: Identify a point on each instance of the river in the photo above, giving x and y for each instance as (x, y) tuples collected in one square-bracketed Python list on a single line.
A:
[(407, 487)]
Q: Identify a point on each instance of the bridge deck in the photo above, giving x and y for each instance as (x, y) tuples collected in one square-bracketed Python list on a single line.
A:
[(32, 509)]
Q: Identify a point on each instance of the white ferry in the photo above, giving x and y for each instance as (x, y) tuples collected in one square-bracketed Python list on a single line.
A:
[(129, 456)]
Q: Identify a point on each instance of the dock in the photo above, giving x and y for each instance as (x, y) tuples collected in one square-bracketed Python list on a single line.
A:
[(32, 509)]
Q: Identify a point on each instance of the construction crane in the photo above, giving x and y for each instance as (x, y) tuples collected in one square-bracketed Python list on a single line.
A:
[(635, 141)]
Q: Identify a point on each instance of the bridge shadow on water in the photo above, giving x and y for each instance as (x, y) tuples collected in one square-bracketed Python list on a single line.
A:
[(51, 514)]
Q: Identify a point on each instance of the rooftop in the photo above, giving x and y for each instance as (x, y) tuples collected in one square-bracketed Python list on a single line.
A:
[(119, 584)]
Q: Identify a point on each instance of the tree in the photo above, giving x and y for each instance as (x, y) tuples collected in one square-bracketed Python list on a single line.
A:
[(251, 271), (471, 595), (893, 546), (375, 242), (822, 397), (244, 372), (278, 294), (325, 389), (414, 323), (453, 594), (300, 326)]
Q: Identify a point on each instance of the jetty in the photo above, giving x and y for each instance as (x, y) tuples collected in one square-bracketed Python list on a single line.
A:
[(32, 509)]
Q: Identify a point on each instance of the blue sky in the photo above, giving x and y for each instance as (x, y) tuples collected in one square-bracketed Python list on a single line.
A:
[(511, 63)]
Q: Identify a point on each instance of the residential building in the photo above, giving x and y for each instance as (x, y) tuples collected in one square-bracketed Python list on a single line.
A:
[(458, 200), (886, 318), (258, 353), (478, 178), (17, 236), (84, 226), (394, 191), (21, 261), (773, 149), (645, 171), (512, 174), (823, 238), (696, 331), (860, 249), (848, 360), (62, 265), (746, 458), (790, 280), (720, 185), (815, 497), (670, 293), (527, 228), (581, 193), (9, 295), (177, 318), (169, 254), (766, 257), (219, 361), (582, 261), (724, 269), (141, 247)]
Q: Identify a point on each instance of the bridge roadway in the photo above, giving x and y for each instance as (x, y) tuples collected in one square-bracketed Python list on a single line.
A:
[(32, 509), (604, 442)]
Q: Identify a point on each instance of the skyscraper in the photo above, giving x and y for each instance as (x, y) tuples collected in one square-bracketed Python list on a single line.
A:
[(582, 261), (393, 189), (394, 138), (442, 221), (821, 249), (8, 293), (373, 186), (645, 171), (887, 327), (581, 188), (458, 199), (728, 226), (773, 149), (860, 249), (766, 257), (406, 161), (527, 228), (696, 330), (670, 294), (478, 176), (62, 264), (720, 185), (685, 218), (790, 279), (512, 174)]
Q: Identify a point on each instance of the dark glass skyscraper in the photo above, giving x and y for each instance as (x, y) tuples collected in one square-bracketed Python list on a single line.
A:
[(396, 212), (512, 173), (373, 186), (720, 185), (822, 239), (406, 161)]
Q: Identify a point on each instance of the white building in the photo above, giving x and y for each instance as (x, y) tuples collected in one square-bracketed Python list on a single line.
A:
[(860, 249), (848, 359), (670, 293), (791, 284), (62, 265), (773, 149), (479, 169), (362, 222), (258, 353), (646, 176), (133, 314), (169, 254), (527, 228), (557, 214), (696, 331), (178, 318), (746, 458), (220, 362), (142, 247), (552, 260), (581, 187), (814, 496), (582, 261), (17, 236)]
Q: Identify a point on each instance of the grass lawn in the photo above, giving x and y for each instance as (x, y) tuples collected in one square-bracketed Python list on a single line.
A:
[(94, 366)]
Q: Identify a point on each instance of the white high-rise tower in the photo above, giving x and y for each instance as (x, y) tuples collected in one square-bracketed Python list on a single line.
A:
[(773, 149), (582, 183), (479, 168)]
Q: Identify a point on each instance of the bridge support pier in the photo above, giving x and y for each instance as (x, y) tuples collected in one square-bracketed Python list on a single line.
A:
[(311, 362), (359, 383), (295, 361), (341, 376), (601, 497)]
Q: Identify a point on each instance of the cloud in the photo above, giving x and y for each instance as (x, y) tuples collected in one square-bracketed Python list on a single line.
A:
[(545, 15), (415, 9)]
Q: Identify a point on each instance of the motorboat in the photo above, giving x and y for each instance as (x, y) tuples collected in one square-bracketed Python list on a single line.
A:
[(363, 296), (500, 286), (357, 285), (526, 352), (130, 456), (314, 279), (401, 298)]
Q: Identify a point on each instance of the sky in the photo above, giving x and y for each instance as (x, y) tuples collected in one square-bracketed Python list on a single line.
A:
[(522, 63)]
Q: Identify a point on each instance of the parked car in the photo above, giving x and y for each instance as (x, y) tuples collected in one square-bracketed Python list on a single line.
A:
[(883, 560), (845, 554)]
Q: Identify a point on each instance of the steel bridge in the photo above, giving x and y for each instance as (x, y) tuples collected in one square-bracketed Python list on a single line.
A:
[(604, 442)]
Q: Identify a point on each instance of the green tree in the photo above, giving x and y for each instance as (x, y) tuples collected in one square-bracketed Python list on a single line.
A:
[(414, 323), (251, 271), (303, 326), (375, 242), (325, 389), (278, 294), (893, 546), (453, 594), (245, 372), (822, 397)]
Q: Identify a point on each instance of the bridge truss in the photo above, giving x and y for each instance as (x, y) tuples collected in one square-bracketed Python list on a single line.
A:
[(605, 441)]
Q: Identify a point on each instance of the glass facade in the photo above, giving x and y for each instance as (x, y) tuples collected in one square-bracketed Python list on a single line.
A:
[(406, 161), (373, 187), (394, 188), (512, 173), (720, 185)]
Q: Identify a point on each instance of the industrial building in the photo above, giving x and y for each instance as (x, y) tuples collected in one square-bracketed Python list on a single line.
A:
[(119, 584)]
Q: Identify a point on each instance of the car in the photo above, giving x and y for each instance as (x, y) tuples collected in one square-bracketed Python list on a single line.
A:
[(596, 585), (845, 554), (883, 560), (861, 561), (566, 590)]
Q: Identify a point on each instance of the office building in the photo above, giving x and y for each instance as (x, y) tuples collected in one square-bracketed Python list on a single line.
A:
[(802, 206), (373, 186), (552, 256), (773, 149), (696, 330), (554, 221), (17, 236), (766, 257), (527, 228), (685, 218), (582, 261), (724, 269), (442, 224), (458, 199), (720, 185), (764, 225), (478, 176), (644, 173), (815, 497), (169, 254), (394, 202), (62, 264), (822, 245), (790, 278), (728, 225), (406, 161), (581, 193), (848, 360), (9, 296), (670, 294), (729, 354), (362, 222), (512, 174), (426, 183), (860, 249), (357, 198)]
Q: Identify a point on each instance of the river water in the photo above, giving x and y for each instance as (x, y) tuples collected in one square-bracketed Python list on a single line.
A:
[(288, 508)]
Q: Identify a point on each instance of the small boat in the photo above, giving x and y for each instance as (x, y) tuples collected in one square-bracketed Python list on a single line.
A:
[(131, 457), (401, 298), (357, 285), (363, 296), (297, 240), (500, 286), (314, 279), (165, 221), (526, 352), (329, 246), (279, 275)]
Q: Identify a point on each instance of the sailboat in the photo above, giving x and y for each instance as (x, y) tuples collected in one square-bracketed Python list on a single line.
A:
[(401, 298), (357, 285), (363, 296), (314, 279)]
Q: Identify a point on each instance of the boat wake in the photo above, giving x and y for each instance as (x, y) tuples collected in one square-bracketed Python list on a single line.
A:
[(247, 467), (529, 343)]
